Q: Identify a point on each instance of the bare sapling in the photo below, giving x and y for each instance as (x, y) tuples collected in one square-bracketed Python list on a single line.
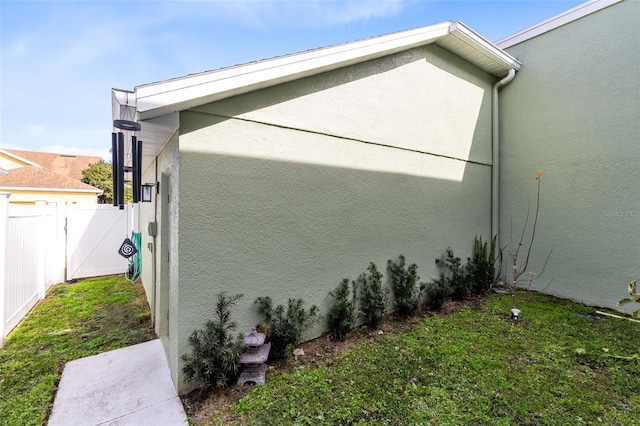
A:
[(519, 254)]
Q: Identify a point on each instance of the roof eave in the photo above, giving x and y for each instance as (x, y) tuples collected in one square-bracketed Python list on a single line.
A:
[(502, 61), (17, 157), (554, 22), (158, 99)]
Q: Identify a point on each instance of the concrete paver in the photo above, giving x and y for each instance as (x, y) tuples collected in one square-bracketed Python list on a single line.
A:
[(128, 386)]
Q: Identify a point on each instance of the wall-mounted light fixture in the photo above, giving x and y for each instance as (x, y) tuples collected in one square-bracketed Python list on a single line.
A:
[(147, 189)]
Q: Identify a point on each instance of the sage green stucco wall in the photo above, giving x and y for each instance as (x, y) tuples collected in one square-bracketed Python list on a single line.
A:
[(147, 214), (162, 289), (286, 191), (572, 113)]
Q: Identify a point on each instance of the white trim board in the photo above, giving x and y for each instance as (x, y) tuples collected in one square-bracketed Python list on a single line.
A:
[(554, 22), (165, 97)]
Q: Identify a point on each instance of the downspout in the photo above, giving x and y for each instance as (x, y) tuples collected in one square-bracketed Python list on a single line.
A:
[(495, 160)]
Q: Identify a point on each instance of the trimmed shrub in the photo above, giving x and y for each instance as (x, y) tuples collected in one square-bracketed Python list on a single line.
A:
[(373, 295), (485, 265), (342, 314), (404, 284), (284, 329), (437, 292), (214, 361), (458, 278)]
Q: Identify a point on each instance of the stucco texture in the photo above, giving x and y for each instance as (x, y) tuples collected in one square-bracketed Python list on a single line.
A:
[(572, 113), (146, 214), (286, 191), (162, 287)]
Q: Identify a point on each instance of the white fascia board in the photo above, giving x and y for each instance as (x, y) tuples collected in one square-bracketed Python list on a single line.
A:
[(17, 157), (483, 46), (554, 22), (162, 98)]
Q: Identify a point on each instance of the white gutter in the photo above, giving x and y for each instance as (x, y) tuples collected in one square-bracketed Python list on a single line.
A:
[(495, 59), (495, 150)]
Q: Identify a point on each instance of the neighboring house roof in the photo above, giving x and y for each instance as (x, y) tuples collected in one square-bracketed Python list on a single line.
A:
[(39, 178), (62, 164), (554, 22)]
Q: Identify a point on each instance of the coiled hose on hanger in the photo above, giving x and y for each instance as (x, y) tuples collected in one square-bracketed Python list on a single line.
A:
[(135, 261)]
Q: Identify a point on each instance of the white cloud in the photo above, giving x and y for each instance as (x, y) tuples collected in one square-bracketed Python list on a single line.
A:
[(35, 130), (258, 14), (78, 140), (20, 47), (330, 13), (66, 56)]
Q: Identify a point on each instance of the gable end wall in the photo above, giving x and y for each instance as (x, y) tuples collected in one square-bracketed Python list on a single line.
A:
[(286, 191)]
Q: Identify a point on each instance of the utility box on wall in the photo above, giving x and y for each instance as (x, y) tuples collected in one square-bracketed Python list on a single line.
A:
[(152, 229)]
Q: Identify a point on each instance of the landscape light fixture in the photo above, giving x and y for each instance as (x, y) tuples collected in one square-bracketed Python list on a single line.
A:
[(515, 314)]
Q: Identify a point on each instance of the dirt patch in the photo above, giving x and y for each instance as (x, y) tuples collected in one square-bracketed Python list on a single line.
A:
[(209, 406)]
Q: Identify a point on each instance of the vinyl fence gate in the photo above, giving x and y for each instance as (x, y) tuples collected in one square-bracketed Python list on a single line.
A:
[(49, 243), (94, 235)]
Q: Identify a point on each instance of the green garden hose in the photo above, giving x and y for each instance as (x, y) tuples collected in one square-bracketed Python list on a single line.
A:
[(135, 261)]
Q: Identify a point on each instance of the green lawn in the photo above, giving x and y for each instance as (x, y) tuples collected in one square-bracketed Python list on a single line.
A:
[(74, 321), (474, 367)]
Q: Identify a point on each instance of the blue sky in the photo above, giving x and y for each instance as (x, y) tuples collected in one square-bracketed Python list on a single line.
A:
[(60, 59)]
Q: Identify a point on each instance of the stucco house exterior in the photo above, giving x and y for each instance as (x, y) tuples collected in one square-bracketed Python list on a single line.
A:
[(572, 112), (32, 176), (282, 177)]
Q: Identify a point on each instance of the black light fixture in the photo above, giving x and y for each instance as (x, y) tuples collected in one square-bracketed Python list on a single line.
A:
[(147, 189)]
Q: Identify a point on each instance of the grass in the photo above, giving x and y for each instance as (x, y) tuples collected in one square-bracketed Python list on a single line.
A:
[(74, 321), (473, 367)]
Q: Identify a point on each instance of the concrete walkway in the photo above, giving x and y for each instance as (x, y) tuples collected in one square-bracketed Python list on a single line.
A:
[(128, 386)]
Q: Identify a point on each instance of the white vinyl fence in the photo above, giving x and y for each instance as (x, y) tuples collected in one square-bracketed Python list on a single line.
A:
[(94, 235), (45, 244)]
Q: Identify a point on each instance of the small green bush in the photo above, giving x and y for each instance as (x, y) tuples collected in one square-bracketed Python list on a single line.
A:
[(284, 330), (373, 297), (437, 291), (635, 298), (214, 361), (458, 278), (485, 265), (342, 315), (404, 284)]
